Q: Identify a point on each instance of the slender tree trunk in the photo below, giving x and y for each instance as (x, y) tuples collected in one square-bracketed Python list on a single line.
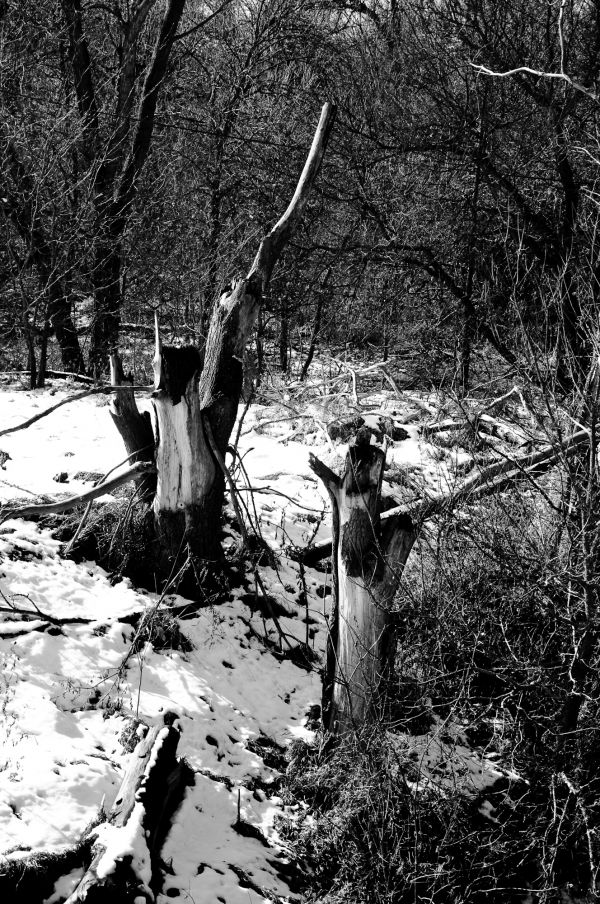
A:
[(61, 321), (367, 566), (314, 337), (107, 305), (284, 338)]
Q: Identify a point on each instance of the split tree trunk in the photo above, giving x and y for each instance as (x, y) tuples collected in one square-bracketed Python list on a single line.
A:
[(368, 561), (196, 400)]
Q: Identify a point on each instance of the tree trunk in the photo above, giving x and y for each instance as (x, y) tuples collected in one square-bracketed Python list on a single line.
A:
[(107, 306), (190, 489), (196, 401), (61, 321), (135, 427), (367, 566)]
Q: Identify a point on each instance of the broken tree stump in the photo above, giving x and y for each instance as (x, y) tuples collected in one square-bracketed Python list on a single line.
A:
[(368, 560), (134, 426), (126, 846)]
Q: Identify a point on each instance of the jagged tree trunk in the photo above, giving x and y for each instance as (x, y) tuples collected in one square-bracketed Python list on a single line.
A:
[(196, 400), (368, 560)]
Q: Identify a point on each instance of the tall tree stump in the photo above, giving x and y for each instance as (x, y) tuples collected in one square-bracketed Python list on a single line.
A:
[(196, 396), (368, 561)]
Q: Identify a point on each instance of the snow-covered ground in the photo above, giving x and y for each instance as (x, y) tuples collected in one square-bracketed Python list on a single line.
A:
[(70, 689)]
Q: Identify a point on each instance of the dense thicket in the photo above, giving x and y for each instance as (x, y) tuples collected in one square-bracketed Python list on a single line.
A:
[(458, 213)]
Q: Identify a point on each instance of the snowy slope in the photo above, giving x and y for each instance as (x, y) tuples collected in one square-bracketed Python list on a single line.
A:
[(71, 684)]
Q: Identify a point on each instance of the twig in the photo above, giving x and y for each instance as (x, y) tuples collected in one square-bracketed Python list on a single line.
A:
[(53, 374)]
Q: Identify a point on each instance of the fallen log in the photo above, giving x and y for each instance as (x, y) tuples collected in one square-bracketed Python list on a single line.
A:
[(149, 794), (126, 847)]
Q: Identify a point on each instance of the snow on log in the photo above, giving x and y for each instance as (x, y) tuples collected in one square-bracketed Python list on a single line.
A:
[(126, 846)]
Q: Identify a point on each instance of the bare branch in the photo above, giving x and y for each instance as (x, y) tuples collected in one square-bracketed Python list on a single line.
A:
[(272, 245), (539, 73)]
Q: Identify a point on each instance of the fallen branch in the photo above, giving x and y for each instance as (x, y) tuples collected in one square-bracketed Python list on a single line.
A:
[(98, 390), (492, 479), (65, 505), (53, 374)]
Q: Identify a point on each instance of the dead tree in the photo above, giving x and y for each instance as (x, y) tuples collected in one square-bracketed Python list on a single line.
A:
[(197, 395), (369, 549), (124, 862), (368, 560)]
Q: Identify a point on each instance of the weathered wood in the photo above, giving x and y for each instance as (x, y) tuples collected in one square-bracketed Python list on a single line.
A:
[(367, 567), (190, 486), (134, 426), (64, 505), (482, 483), (126, 847)]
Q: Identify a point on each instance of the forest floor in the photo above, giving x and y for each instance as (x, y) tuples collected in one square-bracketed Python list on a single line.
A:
[(76, 682)]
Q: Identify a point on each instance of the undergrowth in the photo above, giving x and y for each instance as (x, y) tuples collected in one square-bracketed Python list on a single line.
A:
[(487, 621)]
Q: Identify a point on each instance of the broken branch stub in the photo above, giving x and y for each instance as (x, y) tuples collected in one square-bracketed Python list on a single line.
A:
[(367, 566)]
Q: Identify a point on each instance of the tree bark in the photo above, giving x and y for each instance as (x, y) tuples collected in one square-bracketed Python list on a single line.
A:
[(118, 172), (367, 567), (135, 427), (190, 488)]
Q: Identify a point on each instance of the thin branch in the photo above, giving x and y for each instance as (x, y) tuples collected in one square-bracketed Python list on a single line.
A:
[(273, 244), (539, 73), (204, 22)]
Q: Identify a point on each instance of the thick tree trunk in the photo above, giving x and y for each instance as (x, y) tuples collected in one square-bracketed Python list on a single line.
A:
[(367, 567), (196, 401)]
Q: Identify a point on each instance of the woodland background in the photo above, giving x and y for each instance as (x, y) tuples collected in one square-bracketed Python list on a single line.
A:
[(146, 147), (457, 216)]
